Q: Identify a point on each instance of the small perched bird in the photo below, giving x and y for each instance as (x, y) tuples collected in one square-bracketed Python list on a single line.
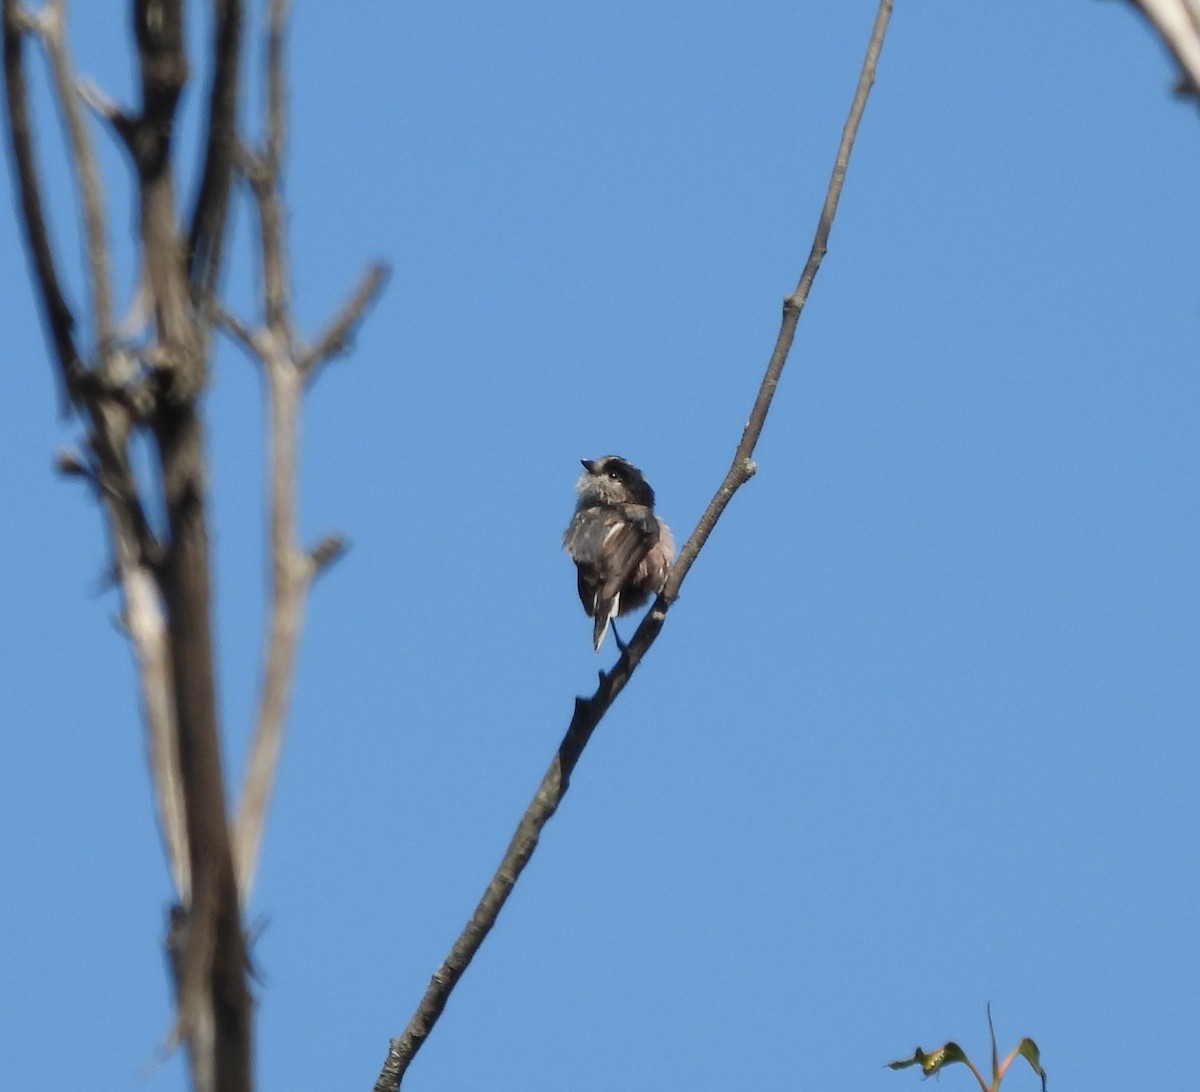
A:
[(622, 550)]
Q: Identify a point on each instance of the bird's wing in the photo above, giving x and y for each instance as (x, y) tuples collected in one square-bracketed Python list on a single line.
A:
[(608, 544), (626, 542)]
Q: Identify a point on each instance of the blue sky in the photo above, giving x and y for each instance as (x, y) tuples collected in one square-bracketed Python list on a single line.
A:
[(920, 733)]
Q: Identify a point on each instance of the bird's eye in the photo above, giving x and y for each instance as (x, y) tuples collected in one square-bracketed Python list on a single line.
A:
[(614, 475)]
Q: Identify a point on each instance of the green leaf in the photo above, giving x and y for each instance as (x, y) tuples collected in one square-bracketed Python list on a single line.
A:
[(1028, 1050), (932, 1062)]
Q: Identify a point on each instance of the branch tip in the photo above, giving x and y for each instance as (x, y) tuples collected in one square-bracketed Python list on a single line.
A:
[(337, 337), (96, 100), (71, 464), (326, 552)]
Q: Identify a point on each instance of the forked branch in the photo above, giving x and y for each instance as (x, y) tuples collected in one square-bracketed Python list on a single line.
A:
[(589, 712), (164, 579), (147, 374), (287, 368)]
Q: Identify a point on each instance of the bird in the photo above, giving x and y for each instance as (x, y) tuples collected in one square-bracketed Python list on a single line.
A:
[(621, 549)]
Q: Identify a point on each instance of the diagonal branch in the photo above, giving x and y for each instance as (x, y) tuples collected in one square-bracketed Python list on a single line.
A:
[(338, 334), (590, 711), (742, 468)]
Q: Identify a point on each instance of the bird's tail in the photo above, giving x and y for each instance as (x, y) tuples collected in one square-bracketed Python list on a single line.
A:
[(606, 611)]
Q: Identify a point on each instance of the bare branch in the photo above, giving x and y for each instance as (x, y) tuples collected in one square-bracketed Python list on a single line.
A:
[(70, 464), (214, 1003), (133, 546), (590, 711), (207, 235), (554, 785), (742, 468), (292, 571), (275, 346), (326, 552), (166, 585), (158, 27), (147, 630), (276, 85), (265, 174), (136, 556), (52, 31), (56, 313), (341, 330), (104, 107)]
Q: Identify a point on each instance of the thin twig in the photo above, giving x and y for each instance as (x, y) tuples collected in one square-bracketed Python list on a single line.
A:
[(742, 467), (326, 552), (276, 134), (252, 341), (340, 331), (589, 711), (265, 173), (96, 99)]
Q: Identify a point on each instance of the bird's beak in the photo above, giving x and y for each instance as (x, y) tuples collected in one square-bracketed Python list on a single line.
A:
[(588, 465)]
